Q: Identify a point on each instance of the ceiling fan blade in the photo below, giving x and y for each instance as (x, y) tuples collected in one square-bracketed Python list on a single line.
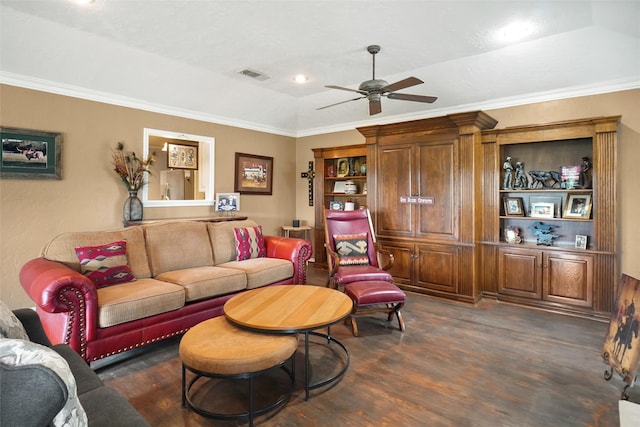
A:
[(375, 107), (346, 88), (402, 84), (416, 98), (341, 102)]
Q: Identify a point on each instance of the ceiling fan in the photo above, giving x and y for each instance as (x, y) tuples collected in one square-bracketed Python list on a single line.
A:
[(375, 89)]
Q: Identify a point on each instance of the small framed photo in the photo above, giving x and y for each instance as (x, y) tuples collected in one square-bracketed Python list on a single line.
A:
[(343, 167), (542, 210), (254, 174), (578, 206), (513, 206), (182, 156), (227, 202), (581, 241), (30, 154)]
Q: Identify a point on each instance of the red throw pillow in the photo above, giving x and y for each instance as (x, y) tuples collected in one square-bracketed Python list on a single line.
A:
[(249, 243), (106, 264), (351, 248)]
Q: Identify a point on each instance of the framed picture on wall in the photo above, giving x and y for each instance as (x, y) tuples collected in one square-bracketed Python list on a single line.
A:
[(254, 174), (30, 154), (182, 156)]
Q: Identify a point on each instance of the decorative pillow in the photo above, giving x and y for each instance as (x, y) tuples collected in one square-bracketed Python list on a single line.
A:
[(23, 353), (106, 264), (10, 326), (351, 248), (249, 243)]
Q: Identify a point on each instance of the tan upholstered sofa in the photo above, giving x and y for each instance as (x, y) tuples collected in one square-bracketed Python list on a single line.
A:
[(185, 271)]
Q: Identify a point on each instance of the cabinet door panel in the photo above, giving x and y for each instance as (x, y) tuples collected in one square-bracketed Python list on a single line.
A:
[(402, 269), (568, 279), (437, 267), (394, 180), (519, 272), (438, 169)]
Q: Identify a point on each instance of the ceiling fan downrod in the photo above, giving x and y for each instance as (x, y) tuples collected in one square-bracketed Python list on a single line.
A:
[(373, 49)]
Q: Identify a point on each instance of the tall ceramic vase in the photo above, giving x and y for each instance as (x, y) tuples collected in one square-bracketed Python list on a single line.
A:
[(132, 210)]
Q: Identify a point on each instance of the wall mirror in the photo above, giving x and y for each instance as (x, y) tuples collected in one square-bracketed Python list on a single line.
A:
[(183, 172)]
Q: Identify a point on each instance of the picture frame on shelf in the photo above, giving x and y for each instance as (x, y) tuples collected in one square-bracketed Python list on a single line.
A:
[(581, 241), (336, 205), (542, 210), (556, 200), (181, 156), (30, 154), (227, 202), (343, 167), (253, 174), (513, 206), (577, 206)]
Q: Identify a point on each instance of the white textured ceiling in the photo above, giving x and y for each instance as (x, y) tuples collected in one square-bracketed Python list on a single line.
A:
[(184, 57)]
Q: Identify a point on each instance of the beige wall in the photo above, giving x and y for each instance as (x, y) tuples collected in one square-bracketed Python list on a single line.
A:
[(90, 195), (620, 103)]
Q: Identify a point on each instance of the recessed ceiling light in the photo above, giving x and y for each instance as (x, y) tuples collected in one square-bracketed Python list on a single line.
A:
[(514, 31), (300, 78), (83, 2)]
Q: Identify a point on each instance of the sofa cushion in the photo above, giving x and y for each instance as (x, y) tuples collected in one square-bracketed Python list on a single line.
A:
[(177, 245), (10, 326), (136, 300), (249, 243), (223, 239), (352, 249), (86, 378), (21, 353), (105, 265), (262, 271), (62, 247), (206, 282)]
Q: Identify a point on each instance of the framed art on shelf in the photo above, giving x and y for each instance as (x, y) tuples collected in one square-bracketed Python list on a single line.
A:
[(581, 241), (254, 174), (343, 167), (542, 210), (513, 206), (182, 156), (30, 154), (227, 202), (578, 206)]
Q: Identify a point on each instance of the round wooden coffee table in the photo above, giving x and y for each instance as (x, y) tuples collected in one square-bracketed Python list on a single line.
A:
[(293, 309)]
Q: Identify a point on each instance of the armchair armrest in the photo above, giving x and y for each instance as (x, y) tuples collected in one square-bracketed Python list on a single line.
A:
[(298, 251), (31, 322), (383, 254), (66, 301)]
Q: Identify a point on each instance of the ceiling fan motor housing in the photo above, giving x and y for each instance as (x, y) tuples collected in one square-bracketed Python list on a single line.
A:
[(373, 85)]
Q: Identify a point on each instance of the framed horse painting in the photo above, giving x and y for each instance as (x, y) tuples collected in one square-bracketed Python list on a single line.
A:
[(621, 347)]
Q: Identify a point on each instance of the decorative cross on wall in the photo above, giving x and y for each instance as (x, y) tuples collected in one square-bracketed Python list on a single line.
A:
[(309, 174)]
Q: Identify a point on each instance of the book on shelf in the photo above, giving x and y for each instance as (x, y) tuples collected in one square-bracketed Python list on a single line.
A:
[(570, 176)]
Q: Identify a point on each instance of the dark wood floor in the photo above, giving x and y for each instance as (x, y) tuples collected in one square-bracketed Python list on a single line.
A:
[(455, 365)]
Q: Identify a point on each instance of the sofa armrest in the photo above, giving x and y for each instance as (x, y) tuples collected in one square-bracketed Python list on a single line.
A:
[(298, 251), (66, 301), (31, 322)]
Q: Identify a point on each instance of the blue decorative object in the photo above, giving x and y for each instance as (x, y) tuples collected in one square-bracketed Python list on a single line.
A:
[(544, 233)]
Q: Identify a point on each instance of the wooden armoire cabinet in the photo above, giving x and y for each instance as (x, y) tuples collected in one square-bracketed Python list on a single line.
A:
[(424, 180)]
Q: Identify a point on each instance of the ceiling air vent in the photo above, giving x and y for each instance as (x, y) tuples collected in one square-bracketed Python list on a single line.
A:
[(254, 74)]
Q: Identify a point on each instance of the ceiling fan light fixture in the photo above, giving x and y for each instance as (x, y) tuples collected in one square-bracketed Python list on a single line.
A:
[(300, 78)]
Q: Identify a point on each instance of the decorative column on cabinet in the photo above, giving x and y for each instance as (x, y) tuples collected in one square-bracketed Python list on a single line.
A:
[(423, 195)]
